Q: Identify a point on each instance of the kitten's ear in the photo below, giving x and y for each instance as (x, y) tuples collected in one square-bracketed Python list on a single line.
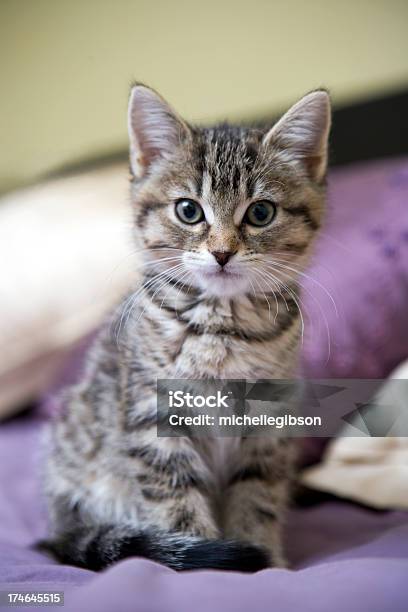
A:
[(303, 133), (155, 130)]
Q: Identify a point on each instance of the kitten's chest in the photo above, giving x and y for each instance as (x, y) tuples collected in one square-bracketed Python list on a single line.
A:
[(212, 356), (216, 344)]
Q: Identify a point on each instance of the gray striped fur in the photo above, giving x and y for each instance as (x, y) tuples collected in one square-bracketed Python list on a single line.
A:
[(107, 471)]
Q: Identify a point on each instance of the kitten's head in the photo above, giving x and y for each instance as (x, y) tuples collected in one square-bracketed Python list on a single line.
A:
[(227, 209)]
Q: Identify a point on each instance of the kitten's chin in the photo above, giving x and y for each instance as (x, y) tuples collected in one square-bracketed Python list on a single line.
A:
[(222, 283)]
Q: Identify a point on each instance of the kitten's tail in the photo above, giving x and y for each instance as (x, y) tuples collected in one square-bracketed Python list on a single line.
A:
[(97, 547)]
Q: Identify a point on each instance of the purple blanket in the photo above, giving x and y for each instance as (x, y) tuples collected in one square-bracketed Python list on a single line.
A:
[(344, 558)]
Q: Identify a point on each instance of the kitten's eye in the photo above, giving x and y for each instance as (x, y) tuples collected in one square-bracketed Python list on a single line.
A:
[(189, 211), (260, 213)]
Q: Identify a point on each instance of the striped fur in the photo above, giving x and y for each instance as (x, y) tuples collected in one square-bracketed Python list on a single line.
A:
[(114, 488)]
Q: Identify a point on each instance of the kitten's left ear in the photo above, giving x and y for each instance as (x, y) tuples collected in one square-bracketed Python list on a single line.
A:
[(303, 133), (155, 129)]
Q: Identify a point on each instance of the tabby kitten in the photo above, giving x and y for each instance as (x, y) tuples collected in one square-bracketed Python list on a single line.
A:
[(226, 217)]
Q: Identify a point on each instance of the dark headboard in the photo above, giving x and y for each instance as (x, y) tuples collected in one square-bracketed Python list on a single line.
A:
[(369, 130)]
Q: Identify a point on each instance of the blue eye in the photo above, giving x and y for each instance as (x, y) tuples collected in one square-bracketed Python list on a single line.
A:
[(189, 211), (260, 213)]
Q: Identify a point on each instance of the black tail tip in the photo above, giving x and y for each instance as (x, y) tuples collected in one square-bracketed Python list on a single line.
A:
[(226, 555)]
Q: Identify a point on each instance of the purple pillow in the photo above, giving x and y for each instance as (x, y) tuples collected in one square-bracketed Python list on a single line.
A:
[(360, 264)]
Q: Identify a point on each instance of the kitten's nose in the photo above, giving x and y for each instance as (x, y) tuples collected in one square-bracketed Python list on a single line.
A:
[(223, 257)]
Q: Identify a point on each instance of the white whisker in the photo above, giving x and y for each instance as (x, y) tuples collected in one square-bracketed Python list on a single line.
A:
[(314, 298), (181, 288), (253, 288), (294, 298), (254, 271), (131, 301), (307, 276), (163, 283)]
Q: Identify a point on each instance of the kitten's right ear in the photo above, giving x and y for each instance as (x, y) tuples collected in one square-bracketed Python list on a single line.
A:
[(155, 130), (303, 133)]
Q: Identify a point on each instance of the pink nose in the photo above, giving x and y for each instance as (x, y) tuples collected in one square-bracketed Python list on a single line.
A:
[(222, 257)]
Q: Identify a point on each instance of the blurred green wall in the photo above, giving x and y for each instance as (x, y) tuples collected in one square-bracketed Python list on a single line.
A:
[(66, 65)]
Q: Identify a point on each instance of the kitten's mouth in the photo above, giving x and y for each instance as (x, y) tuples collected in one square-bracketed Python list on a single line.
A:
[(221, 273), (222, 281)]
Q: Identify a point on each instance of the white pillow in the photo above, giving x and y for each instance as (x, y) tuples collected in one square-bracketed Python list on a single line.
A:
[(373, 471), (66, 257)]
